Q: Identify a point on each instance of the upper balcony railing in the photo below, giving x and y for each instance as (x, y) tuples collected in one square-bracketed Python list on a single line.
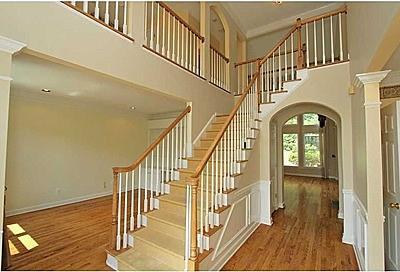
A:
[(170, 37), (111, 14), (219, 69)]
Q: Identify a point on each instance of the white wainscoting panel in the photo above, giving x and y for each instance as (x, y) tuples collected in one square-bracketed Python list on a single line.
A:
[(360, 226)]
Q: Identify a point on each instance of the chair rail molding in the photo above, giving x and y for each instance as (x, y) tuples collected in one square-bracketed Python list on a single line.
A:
[(10, 46)]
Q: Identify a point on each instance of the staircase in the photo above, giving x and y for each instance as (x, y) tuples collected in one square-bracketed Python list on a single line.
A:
[(173, 205)]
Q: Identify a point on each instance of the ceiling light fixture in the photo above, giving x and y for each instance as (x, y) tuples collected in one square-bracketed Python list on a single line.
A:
[(277, 2), (46, 90), (133, 108)]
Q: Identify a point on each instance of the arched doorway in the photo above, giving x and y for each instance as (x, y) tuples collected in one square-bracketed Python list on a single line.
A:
[(308, 151)]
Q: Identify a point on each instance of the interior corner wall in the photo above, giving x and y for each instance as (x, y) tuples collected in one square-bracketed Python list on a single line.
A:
[(260, 45), (60, 153)]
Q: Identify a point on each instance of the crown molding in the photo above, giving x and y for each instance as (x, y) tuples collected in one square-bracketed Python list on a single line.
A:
[(368, 78), (393, 78), (289, 21), (10, 46)]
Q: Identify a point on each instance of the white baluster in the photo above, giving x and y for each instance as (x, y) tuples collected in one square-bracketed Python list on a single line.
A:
[(73, 3), (307, 47), (332, 52), (207, 222), (173, 37), (158, 171), (146, 203), (107, 14), (116, 23), (201, 213), (139, 197), (124, 26), (315, 45), (182, 44), (85, 6), (286, 75), (132, 219), (96, 10), (180, 124), (118, 246), (152, 26), (125, 236), (164, 30), (323, 40), (158, 28), (162, 167), (145, 23), (168, 159), (151, 181), (273, 71), (169, 36), (340, 37), (190, 50), (291, 41), (280, 69)]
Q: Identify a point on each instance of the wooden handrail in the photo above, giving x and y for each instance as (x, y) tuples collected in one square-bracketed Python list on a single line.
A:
[(151, 147), (291, 31), (219, 53), (173, 13), (342, 9), (246, 61), (194, 178)]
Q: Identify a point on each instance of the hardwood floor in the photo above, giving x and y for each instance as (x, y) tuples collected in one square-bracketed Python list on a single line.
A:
[(306, 235), (71, 237)]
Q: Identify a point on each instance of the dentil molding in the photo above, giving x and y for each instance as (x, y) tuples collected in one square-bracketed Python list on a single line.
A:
[(10, 46)]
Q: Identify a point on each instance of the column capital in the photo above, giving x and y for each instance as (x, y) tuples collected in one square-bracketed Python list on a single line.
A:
[(369, 78), (10, 46)]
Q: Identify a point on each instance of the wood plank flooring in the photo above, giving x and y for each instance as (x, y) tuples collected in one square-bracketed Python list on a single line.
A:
[(71, 237), (306, 235)]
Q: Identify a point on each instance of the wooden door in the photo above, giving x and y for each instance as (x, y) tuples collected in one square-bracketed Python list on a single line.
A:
[(391, 183)]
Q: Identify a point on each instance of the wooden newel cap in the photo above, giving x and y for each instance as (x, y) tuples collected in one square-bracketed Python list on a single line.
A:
[(192, 181)]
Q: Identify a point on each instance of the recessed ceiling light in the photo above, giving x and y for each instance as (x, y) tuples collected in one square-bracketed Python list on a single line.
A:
[(46, 90), (133, 108)]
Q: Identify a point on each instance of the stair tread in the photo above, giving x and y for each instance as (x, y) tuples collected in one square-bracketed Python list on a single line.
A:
[(178, 199), (171, 218), (140, 261), (161, 240)]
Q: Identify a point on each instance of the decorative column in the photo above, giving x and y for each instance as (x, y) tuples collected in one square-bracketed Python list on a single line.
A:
[(7, 48), (375, 233)]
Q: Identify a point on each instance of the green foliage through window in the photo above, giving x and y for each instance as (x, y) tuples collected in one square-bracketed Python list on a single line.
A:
[(310, 119), (311, 150), (290, 150), (292, 121)]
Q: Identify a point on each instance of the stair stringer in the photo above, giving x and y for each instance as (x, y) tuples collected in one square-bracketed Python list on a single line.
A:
[(290, 87), (242, 217)]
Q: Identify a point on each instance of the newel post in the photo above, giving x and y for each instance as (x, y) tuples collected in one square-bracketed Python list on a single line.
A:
[(194, 183), (299, 45), (113, 240)]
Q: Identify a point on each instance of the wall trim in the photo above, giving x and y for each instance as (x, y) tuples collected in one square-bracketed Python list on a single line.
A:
[(6, 78), (56, 203), (10, 46)]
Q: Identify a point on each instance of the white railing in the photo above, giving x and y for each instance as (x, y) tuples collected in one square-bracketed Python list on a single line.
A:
[(112, 14), (325, 38), (171, 37), (137, 186), (244, 71), (219, 67), (208, 187)]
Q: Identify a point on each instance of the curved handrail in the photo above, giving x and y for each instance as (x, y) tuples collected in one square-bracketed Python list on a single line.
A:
[(153, 145), (220, 134)]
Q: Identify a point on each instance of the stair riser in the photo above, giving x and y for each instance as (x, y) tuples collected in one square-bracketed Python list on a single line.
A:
[(175, 231), (220, 118), (163, 255)]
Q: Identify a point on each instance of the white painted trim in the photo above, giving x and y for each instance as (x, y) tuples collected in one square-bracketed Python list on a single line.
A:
[(369, 105), (56, 203), (289, 21), (5, 78), (235, 245), (112, 262), (204, 128), (368, 78), (303, 175), (347, 215), (10, 46)]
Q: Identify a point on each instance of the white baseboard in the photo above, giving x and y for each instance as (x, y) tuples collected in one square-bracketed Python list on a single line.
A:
[(112, 262), (266, 221), (56, 203)]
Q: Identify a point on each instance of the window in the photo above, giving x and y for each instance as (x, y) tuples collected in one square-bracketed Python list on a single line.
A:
[(310, 119), (292, 121), (290, 150), (312, 156)]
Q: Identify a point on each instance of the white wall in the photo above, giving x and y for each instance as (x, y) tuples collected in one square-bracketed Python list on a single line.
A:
[(60, 152)]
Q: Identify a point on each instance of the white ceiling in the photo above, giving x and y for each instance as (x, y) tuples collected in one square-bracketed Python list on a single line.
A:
[(258, 18), (71, 84)]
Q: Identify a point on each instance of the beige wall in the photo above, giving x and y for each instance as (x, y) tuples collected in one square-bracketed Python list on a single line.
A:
[(59, 151), (261, 45), (91, 48)]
